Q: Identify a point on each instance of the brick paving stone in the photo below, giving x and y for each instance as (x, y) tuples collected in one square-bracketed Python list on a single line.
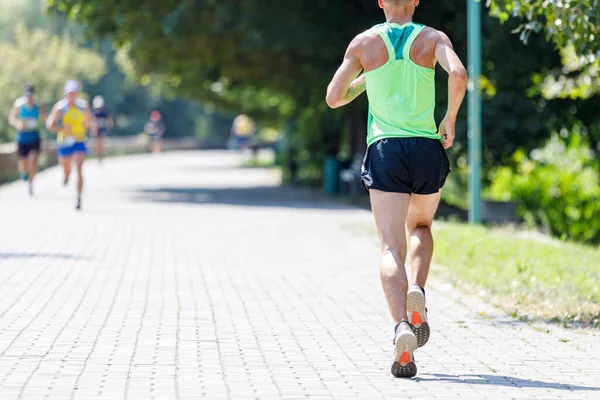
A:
[(185, 277)]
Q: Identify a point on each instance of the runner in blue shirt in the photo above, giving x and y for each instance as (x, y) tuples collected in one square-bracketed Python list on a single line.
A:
[(25, 116)]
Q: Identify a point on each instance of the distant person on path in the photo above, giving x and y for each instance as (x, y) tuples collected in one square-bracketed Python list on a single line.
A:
[(242, 129), (70, 119), (155, 129), (25, 116), (102, 126), (406, 165)]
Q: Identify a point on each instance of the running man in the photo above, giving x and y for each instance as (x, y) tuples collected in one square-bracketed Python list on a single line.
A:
[(25, 117), (70, 119), (101, 128), (155, 129), (406, 165)]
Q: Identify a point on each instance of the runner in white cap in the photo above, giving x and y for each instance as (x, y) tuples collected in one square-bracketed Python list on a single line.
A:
[(70, 119)]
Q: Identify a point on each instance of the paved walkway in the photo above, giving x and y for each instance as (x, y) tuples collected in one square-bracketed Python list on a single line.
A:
[(186, 278)]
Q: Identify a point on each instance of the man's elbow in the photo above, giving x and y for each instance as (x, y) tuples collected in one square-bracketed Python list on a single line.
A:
[(459, 75), (333, 98), (333, 101)]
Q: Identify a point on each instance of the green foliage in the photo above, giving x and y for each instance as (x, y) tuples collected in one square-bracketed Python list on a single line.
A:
[(579, 78), (318, 134), (235, 45), (566, 22), (525, 273), (574, 28), (557, 187), (274, 62), (455, 191), (129, 99), (47, 61)]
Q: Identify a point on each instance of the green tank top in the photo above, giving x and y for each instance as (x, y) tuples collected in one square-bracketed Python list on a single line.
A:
[(401, 93)]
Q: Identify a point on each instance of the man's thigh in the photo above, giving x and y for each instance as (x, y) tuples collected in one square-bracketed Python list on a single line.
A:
[(422, 209), (390, 210)]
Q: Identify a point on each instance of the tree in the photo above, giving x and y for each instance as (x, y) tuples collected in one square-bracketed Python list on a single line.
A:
[(276, 60), (46, 61), (573, 26), (287, 48), (566, 22)]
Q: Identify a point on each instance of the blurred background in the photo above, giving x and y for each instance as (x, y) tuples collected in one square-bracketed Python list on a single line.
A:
[(202, 63), (46, 49)]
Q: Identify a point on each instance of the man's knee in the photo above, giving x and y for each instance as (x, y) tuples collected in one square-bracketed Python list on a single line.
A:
[(426, 226), (393, 256), (413, 225), (394, 273)]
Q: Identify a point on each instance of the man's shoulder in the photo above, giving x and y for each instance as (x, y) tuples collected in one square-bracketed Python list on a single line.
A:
[(61, 104), (366, 39), (81, 103), (434, 34), (19, 102), (430, 37)]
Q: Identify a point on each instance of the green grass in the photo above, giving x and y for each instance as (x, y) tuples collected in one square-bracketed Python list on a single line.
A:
[(528, 275), (265, 159)]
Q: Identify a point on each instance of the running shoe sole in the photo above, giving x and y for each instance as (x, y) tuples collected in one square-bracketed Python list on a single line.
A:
[(404, 363), (415, 309)]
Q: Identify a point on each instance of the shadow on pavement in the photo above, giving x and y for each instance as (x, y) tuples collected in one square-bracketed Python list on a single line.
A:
[(4, 256), (500, 380), (259, 196)]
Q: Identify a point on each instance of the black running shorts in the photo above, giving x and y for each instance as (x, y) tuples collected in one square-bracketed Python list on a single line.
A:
[(25, 148), (406, 165)]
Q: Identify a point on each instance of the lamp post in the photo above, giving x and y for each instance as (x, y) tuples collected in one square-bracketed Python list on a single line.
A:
[(474, 68)]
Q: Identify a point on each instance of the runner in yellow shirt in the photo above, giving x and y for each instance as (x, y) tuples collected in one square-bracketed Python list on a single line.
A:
[(70, 119)]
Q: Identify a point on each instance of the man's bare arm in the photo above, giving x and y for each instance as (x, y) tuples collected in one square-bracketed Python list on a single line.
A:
[(457, 86), (457, 74), (346, 85), (51, 121), (13, 119)]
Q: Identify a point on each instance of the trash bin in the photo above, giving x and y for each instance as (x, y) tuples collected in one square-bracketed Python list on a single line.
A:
[(330, 175)]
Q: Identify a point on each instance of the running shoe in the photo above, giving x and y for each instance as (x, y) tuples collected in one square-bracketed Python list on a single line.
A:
[(78, 205), (25, 176), (405, 344), (417, 314)]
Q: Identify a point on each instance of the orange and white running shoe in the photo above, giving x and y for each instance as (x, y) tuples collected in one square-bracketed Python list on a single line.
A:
[(405, 344), (417, 314)]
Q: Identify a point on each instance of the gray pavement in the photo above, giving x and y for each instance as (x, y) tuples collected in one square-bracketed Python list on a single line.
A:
[(185, 277)]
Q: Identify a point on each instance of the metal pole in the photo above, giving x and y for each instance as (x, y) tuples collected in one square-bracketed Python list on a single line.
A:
[(474, 61)]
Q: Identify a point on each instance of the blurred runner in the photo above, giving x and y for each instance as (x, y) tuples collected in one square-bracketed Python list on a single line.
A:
[(70, 119), (155, 129), (102, 126), (242, 129), (25, 117)]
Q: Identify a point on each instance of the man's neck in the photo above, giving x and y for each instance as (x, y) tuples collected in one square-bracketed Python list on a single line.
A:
[(399, 15)]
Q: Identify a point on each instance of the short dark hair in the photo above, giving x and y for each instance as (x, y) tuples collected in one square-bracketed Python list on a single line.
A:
[(29, 89)]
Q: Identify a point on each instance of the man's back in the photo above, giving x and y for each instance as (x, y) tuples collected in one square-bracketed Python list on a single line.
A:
[(400, 80), (375, 54)]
